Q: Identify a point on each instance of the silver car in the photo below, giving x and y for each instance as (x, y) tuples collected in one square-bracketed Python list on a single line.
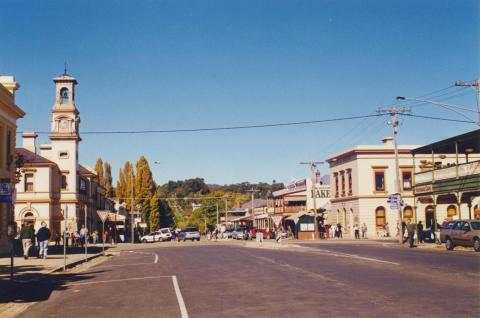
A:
[(189, 233)]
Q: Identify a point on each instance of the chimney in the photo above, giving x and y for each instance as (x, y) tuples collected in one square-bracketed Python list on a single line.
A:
[(28, 139), (10, 84), (46, 151), (388, 141)]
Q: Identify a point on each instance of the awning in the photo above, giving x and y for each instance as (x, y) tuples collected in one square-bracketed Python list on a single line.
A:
[(470, 140), (298, 215)]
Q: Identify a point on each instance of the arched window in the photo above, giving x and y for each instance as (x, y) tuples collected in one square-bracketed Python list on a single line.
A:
[(28, 215), (407, 213), (380, 216), (451, 210), (63, 95)]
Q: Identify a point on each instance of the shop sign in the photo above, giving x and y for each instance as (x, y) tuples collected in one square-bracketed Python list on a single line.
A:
[(297, 185), (424, 188), (6, 192), (322, 193)]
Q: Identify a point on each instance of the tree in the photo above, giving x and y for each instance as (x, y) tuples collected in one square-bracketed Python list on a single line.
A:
[(154, 216), (108, 179), (124, 185), (144, 186), (99, 170)]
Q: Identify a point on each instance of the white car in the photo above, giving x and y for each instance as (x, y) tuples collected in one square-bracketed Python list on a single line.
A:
[(164, 234), (157, 236)]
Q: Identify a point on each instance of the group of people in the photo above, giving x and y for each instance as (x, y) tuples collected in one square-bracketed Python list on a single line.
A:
[(29, 237)]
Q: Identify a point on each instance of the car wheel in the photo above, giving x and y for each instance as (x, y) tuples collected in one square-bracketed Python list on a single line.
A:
[(144, 241), (449, 244), (476, 245)]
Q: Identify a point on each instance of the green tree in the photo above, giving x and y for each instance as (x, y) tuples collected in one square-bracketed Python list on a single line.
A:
[(108, 180), (154, 216), (144, 187), (124, 185), (99, 170)]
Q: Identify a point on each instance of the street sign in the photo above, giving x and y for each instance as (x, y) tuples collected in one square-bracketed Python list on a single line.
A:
[(276, 219), (103, 214), (6, 192)]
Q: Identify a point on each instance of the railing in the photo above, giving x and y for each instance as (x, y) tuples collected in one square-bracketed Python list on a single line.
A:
[(465, 169)]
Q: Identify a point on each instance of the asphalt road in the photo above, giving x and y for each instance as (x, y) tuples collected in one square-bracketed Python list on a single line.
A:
[(330, 280)]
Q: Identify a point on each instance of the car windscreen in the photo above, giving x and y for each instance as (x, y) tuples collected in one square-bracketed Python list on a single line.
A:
[(190, 229), (165, 231), (475, 225)]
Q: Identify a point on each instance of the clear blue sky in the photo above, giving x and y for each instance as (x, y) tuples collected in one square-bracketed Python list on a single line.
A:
[(187, 64)]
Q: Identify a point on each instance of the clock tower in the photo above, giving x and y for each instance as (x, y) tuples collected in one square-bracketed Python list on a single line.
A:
[(65, 137)]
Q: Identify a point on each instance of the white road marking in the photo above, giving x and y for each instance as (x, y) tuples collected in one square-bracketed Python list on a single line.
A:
[(120, 265), (156, 258), (116, 280), (340, 254), (181, 303)]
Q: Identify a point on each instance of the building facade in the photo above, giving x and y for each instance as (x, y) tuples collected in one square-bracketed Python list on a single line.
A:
[(9, 113), (54, 187)]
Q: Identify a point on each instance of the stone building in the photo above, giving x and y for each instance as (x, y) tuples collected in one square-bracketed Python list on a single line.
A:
[(54, 187), (9, 113)]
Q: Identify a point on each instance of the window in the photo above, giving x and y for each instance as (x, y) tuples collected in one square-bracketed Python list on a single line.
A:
[(380, 216), (350, 191), (63, 95), (9, 149), (83, 185), (408, 213), (63, 154), (451, 210), (64, 183), (28, 182), (343, 183), (336, 184), (407, 180), (379, 181)]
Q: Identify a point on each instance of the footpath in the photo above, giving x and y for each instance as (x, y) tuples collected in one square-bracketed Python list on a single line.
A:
[(33, 280)]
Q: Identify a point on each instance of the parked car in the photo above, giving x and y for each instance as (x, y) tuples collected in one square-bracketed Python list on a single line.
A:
[(239, 234), (228, 233), (164, 234), (461, 233), (189, 233), (150, 238)]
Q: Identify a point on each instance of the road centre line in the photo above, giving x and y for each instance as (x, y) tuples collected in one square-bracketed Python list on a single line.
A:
[(120, 265), (117, 280), (181, 303), (340, 254)]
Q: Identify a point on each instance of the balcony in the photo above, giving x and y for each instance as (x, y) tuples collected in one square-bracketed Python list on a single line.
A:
[(452, 172)]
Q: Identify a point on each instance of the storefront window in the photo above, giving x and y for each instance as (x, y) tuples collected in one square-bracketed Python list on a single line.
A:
[(451, 210)]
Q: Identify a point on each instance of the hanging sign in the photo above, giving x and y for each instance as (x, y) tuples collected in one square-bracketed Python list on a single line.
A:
[(103, 214), (6, 192)]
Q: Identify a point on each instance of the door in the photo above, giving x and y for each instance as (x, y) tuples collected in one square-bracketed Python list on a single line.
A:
[(429, 216)]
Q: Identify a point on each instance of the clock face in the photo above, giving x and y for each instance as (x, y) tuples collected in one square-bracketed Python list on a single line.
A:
[(64, 125)]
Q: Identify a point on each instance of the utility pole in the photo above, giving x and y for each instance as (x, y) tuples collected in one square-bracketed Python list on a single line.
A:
[(472, 84), (253, 196), (313, 168), (394, 123), (65, 239), (217, 216), (132, 215)]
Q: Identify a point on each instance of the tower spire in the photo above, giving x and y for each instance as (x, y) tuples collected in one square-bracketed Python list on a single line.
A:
[(65, 68)]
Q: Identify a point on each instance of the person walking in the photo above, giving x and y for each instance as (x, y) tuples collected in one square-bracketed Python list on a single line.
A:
[(420, 231), (364, 231), (83, 235), (339, 229), (57, 239), (433, 228), (410, 228), (26, 235), (357, 231), (43, 236)]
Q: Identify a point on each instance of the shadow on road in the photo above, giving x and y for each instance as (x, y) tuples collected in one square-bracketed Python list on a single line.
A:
[(38, 287)]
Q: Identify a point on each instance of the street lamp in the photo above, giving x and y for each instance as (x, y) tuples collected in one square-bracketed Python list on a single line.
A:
[(451, 107)]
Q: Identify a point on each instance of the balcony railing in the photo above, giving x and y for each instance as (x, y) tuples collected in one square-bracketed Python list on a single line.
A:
[(465, 169)]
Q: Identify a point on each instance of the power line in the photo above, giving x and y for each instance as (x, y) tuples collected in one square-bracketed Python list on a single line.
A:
[(439, 118), (220, 128)]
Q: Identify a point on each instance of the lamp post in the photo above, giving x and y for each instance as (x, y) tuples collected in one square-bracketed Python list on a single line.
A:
[(313, 168), (132, 215)]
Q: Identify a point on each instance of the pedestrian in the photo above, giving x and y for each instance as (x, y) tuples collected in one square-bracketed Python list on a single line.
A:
[(387, 229), (339, 229), (278, 235), (433, 228), (420, 231), (410, 228), (364, 231), (26, 235), (83, 235), (43, 236), (357, 231), (57, 239), (95, 237), (332, 231)]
